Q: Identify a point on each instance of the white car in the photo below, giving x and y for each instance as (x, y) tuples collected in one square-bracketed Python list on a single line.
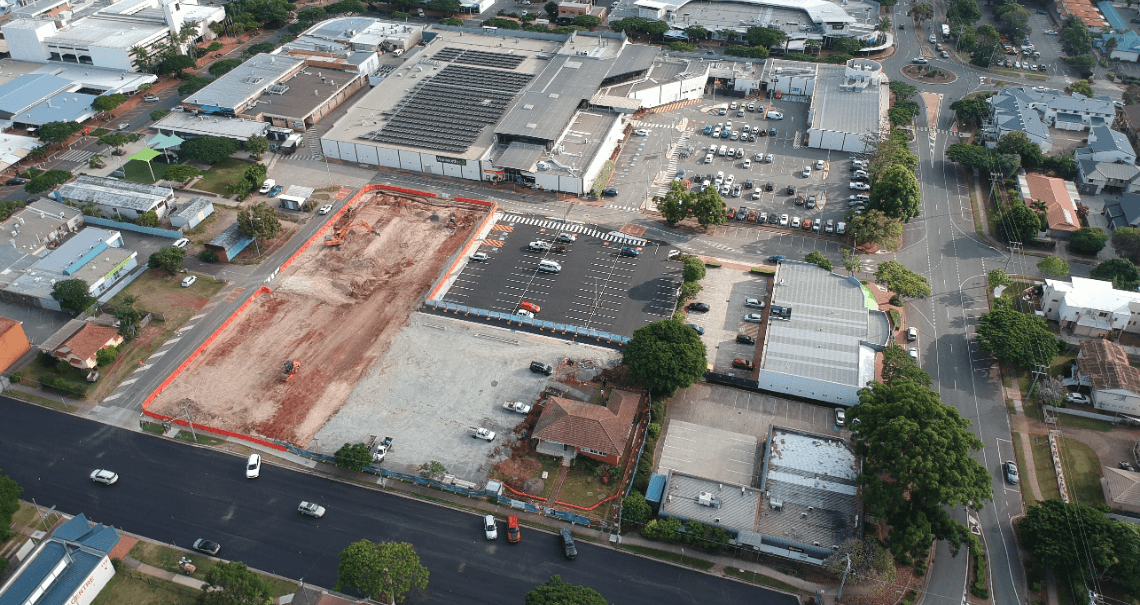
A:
[(1077, 398), (708, 158), (783, 220), (913, 353), (730, 180), (327, 208), (181, 243), (807, 172), (840, 416), (539, 246), (189, 281), (641, 132), (481, 433), (754, 318), (856, 185), (919, 60), (104, 476), (768, 159), (524, 313), (267, 185), (150, 99), (1050, 32), (795, 222), (819, 164), (1039, 89), (489, 528), (775, 115), (747, 164), (311, 509), (253, 466), (479, 257)]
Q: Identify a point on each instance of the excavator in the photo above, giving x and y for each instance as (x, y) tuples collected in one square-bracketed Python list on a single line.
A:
[(291, 368), (339, 237)]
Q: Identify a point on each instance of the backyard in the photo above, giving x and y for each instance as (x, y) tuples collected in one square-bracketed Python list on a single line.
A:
[(218, 178), (138, 172), (589, 482), (1082, 472), (129, 586)]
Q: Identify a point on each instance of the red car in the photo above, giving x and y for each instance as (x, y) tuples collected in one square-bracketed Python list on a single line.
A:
[(529, 306), (513, 535)]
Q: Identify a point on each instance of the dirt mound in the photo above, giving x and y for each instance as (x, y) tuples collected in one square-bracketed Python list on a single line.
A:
[(334, 311)]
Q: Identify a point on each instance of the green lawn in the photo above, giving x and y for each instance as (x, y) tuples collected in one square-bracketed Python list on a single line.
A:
[(1084, 423), (220, 175), (755, 578), (165, 557), (1043, 461), (132, 587), (1026, 492), (137, 171), (40, 400), (583, 489), (686, 560), (29, 516), (1082, 472), (203, 438)]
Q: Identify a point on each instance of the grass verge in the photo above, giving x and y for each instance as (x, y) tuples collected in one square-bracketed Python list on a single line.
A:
[(761, 579), (1026, 491), (1084, 423), (1082, 472), (30, 516), (1043, 465), (40, 400), (665, 555), (166, 558), (202, 438), (128, 586)]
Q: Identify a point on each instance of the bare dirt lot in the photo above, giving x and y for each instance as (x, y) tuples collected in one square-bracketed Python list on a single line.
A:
[(335, 311)]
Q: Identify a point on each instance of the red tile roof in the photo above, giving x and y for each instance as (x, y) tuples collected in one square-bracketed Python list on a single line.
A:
[(599, 428), (1059, 205), (88, 340)]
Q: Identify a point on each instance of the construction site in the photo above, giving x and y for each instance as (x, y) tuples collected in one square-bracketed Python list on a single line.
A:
[(288, 362)]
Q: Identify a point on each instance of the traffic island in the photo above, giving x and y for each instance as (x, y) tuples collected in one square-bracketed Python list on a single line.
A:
[(928, 74)]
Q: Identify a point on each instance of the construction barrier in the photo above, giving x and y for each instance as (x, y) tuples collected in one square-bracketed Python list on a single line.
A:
[(442, 280), (553, 329)]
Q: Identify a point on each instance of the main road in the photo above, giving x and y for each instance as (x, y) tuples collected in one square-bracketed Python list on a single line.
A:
[(176, 494)]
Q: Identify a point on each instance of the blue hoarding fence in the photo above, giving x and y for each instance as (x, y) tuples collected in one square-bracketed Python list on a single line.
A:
[(103, 222), (549, 327)]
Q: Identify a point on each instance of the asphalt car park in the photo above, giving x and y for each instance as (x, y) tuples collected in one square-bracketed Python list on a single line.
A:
[(725, 291), (603, 283)]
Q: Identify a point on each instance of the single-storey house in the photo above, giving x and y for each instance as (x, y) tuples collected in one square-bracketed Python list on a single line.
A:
[(1060, 199), (192, 213), (1103, 366), (229, 243), (1121, 489), (81, 348), (597, 431)]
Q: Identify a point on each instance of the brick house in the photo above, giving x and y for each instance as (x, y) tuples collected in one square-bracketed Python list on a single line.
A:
[(597, 431), (80, 349)]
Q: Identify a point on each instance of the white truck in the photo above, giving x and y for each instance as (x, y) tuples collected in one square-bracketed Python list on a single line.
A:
[(481, 433), (379, 448), (517, 406), (311, 509), (945, 31)]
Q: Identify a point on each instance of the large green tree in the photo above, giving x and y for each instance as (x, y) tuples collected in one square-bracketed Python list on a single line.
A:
[(876, 228), (899, 365), (58, 132), (902, 281), (1016, 337), (557, 592), (819, 259), (108, 102), (922, 12), (694, 269), (964, 11), (973, 156), (73, 295), (1019, 224), (665, 355), (897, 194), (9, 504), (385, 571), (259, 221), (1088, 240), (708, 207), (765, 37), (208, 149), (180, 173), (114, 139), (353, 456), (918, 465), (971, 109), (1075, 37), (1120, 271), (223, 66), (257, 146), (1053, 266), (1017, 142), (167, 259), (674, 205), (232, 583)]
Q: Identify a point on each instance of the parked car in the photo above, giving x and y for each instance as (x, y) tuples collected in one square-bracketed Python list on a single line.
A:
[(743, 364), (783, 220), (609, 192), (699, 306), (641, 132), (104, 476), (630, 251), (513, 535), (267, 185), (698, 329), (207, 547), (327, 208), (840, 416), (859, 186), (189, 281), (775, 258), (1010, 472), (479, 257), (541, 368), (913, 353), (754, 317), (150, 99), (253, 466), (745, 339), (490, 530), (481, 433), (16, 181), (912, 334), (568, 549), (795, 222), (538, 246), (525, 313), (1127, 466), (181, 243), (276, 189), (1078, 398), (819, 164)]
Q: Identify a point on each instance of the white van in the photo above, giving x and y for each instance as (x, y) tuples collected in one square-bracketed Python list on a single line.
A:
[(841, 228), (549, 266), (723, 149)]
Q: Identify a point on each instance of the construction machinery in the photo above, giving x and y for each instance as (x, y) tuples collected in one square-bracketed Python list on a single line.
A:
[(457, 223), (339, 237), (291, 368)]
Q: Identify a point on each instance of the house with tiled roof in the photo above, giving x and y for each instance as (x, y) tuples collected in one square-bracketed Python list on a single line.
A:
[(1121, 489), (1060, 199), (1103, 366), (567, 427), (80, 350)]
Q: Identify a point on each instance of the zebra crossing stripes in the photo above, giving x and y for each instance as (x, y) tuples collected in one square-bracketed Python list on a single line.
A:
[(76, 155), (671, 167), (936, 130), (610, 236)]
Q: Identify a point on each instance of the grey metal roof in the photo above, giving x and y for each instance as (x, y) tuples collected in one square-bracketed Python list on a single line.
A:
[(1109, 170), (520, 156), (28, 90), (63, 107), (193, 207), (232, 235), (115, 193), (829, 323), (733, 507), (634, 57), (543, 109), (850, 110), (186, 125), (1129, 205), (245, 81), (1108, 139)]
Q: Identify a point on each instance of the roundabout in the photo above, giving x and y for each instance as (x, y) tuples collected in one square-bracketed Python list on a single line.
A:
[(928, 74)]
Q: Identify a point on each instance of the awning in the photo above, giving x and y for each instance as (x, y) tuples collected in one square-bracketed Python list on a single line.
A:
[(165, 141), (145, 154), (520, 156)]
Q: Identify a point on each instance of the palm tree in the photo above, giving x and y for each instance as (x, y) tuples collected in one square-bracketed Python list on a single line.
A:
[(1109, 46), (142, 58)]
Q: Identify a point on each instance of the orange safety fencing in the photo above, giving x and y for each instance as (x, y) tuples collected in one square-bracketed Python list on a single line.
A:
[(320, 232), (403, 190), (592, 507)]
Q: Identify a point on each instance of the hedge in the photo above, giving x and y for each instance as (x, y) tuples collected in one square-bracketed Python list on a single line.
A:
[(978, 588), (763, 270)]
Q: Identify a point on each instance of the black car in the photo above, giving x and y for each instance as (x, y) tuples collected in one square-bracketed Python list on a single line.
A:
[(541, 368), (699, 306), (1127, 466), (791, 189), (773, 218), (699, 330), (769, 186), (749, 184), (16, 181), (745, 339), (775, 258), (609, 192), (1134, 20), (207, 547), (568, 549)]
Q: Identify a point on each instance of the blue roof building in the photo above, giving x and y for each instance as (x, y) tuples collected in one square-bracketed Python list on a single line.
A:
[(70, 567), (1127, 45), (1109, 11), (29, 90)]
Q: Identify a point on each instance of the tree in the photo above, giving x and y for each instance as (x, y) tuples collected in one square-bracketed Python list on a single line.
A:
[(665, 355), (208, 149), (694, 269), (385, 571), (922, 12), (1007, 163), (902, 281), (964, 11), (1047, 533), (108, 102), (674, 205), (114, 139), (971, 109), (452, 21), (1014, 23), (447, 7), (147, 219), (219, 68), (259, 221), (1120, 271), (818, 259), (353, 456), (433, 470), (876, 228), (843, 45), (896, 194), (193, 84), (502, 23), (551, 9), (697, 33), (1083, 87), (634, 509), (1017, 142), (180, 173), (557, 592), (47, 181), (1075, 37), (918, 465), (1132, 94), (1053, 266), (902, 90), (586, 21), (232, 583), (973, 156), (168, 259), (74, 295), (1019, 224), (708, 207), (765, 37), (1088, 240), (1109, 45), (867, 559), (998, 277), (58, 132), (899, 365), (1016, 337), (851, 262), (256, 146), (158, 114), (175, 64), (9, 505)]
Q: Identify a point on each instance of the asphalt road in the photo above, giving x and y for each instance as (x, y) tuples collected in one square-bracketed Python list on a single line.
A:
[(175, 493)]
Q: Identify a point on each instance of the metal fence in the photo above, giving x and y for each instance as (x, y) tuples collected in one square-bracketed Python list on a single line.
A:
[(103, 222), (549, 327), (1083, 414)]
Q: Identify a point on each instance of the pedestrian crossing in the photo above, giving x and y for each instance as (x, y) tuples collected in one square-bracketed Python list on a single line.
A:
[(625, 208), (75, 155), (671, 167), (313, 145), (297, 157), (935, 130), (608, 236)]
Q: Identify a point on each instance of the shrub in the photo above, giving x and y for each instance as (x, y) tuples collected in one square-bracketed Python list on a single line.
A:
[(208, 256), (62, 366), (106, 357), (634, 509), (713, 264), (403, 15), (763, 271), (16, 378), (654, 429), (896, 318)]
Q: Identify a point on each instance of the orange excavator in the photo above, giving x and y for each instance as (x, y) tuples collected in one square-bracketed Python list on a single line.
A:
[(291, 368), (339, 237)]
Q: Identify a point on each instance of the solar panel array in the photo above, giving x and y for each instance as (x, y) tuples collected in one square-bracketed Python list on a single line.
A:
[(448, 111), (479, 57)]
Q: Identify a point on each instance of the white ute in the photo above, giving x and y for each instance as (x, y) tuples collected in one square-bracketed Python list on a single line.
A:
[(517, 406), (481, 433)]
